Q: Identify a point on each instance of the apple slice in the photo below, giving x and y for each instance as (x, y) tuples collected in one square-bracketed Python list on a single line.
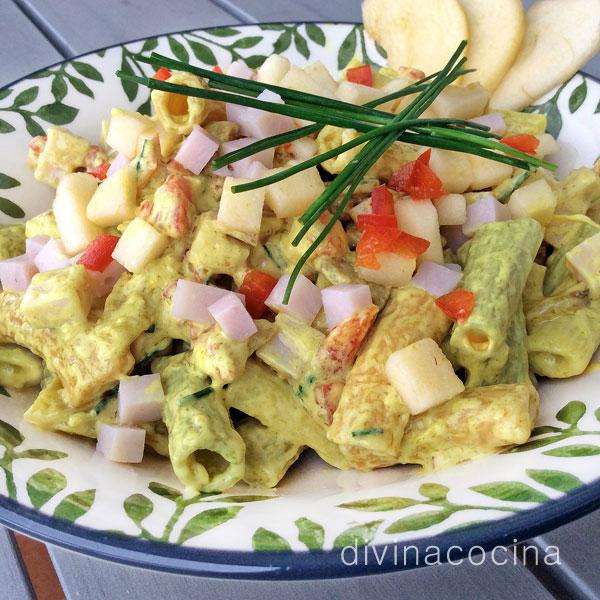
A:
[(560, 37)]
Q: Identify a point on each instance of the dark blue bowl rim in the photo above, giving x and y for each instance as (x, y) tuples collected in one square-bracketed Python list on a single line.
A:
[(289, 565)]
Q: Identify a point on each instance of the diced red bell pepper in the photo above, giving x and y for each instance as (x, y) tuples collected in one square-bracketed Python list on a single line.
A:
[(524, 142), (217, 69), (162, 74), (382, 201), (362, 75), (364, 222), (98, 255), (458, 304), (418, 180), (387, 239), (100, 171), (256, 287)]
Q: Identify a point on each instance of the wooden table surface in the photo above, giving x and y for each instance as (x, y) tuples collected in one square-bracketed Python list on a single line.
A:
[(35, 33)]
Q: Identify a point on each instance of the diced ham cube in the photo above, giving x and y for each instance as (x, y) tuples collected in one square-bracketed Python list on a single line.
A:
[(16, 273), (102, 282), (241, 168), (121, 444), (120, 162), (197, 150), (140, 399), (52, 256), (34, 244), (305, 300), (191, 300), (232, 316)]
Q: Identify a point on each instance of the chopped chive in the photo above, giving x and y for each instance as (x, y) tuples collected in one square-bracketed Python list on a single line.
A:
[(370, 431), (195, 396), (106, 398)]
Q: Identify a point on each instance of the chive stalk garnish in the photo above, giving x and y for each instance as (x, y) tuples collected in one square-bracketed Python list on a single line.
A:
[(195, 396), (378, 130)]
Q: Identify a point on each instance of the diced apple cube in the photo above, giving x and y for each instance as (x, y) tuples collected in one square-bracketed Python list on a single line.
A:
[(457, 102), (292, 196), (115, 199), (548, 145), (321, 76), (420, 218), (451, 209), (297, 79), (423, 376), (395, 270), (125, 129), (57, 297), (487, 173), (273, 69), (73, 194), (290, 350), (536, 200), (139, 244), (355, 93), (240, 214), (584, 262), (453, 168)]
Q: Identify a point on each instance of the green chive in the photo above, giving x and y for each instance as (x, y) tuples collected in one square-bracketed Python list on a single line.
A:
[(195, 396), (370, 431)]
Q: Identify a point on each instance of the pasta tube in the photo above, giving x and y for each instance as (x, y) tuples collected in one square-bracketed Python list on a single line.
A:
[(477, 422), (564, 333), (177, 113), (261, 394), (269, 454), (19, 368), (206, 452), (496, 270), (50, 411), (370, 419)]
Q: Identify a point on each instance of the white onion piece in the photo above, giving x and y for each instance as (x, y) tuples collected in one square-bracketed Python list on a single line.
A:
[(495, 121), (305, 300), (197, 150), (191, 300), (140, 399), (436, 279), (240, 168), (52, 256), (238, 68), (454, 267), (454, 236), (121, 444), (16, 273), (120, 162), (34, 244), (233, 318), (102, 282), (486, 210), (342, 301)]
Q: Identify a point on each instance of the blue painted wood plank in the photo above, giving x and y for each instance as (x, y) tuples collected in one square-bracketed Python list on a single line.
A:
[(14, 582), (23, 48), (83, 577), (87, 25)]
